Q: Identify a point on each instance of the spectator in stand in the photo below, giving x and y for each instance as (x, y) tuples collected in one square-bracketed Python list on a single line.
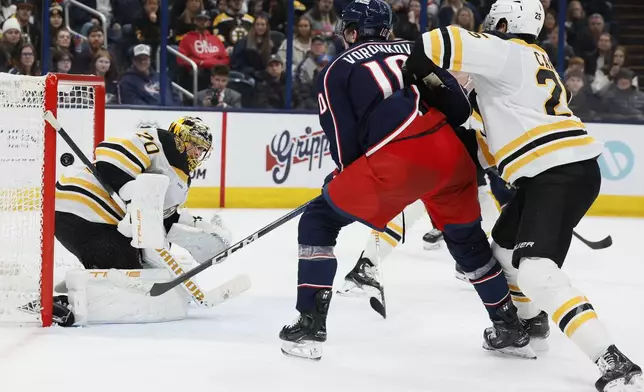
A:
[(218, 94), (464, 18), (449, 8), (78, 17), (30, 31), (323, 18), (575, 21), (551, 46), (63, 42), (186, 21), (586, 40), (277, 11), (24, 60), (622, 101), (7, 10), (251, 54), (301, 42), (139, 85), (619, 60), (148, 28), (82, 62), (408, 27), (233, 25), (549, 24), (602, 56), (546, 4), (124, 14), (583, 102), (218, 7), (202, 47), (62, 61), (305, 94), (306, 70), (271, 91), (102, 66), (10, 41), (55, 22), (255, 7)]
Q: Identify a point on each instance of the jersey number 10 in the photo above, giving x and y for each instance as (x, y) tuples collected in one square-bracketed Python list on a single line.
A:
[(394, 64)]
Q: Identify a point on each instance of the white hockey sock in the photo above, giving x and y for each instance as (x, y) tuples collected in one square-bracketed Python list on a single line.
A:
[(526, 308), (550, 288), (395, 232)]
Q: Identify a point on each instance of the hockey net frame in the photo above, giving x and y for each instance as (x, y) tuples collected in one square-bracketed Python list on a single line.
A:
[(55, 86)]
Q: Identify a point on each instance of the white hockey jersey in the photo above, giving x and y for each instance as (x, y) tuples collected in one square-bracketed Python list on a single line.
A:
[(119, 161), (528, 125)]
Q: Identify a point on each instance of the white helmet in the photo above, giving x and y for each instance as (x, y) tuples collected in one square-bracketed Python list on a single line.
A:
[(522, 16)]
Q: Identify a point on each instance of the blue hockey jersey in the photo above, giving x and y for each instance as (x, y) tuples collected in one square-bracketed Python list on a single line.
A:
[(362, 97)]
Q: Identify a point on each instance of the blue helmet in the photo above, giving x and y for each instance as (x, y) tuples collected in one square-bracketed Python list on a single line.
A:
[(372, 17)]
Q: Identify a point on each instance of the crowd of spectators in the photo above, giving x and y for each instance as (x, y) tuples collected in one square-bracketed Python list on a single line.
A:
[(239, 48)]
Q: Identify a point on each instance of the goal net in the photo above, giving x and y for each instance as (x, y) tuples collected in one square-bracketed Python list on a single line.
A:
[(32, 157)]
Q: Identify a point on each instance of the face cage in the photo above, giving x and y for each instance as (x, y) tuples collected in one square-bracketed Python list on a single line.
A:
[(194, 163)]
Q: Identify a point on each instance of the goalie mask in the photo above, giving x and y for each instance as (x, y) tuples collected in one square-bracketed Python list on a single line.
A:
[(194, 137)]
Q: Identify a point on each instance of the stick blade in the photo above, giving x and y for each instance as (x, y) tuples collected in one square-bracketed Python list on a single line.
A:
[(378, 306), (161, 288), (603, 244)]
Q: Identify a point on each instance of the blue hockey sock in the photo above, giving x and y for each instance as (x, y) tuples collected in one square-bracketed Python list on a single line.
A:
[(316, 270)]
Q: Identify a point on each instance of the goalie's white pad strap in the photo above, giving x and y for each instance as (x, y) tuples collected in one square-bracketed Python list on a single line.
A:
[(145, 210), (120, 296), (394, 233), (490, 210)]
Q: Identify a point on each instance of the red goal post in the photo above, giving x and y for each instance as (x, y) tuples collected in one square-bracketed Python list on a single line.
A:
[(30, 155)]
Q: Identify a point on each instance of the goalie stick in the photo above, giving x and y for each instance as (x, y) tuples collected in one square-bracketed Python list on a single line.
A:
[(160, 288), (595, 245), (210, 298)]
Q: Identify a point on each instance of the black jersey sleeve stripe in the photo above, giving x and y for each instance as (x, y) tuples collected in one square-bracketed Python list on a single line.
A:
[(124, 151), (83, 191), (447, 45)]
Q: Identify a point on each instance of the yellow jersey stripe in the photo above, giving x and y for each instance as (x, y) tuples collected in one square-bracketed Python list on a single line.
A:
[(455, 34), (521, 299), (389, 239), (143, 157), (93, 188), (563, 309), (526, 159), (395, 227), (514, 288), (485, 150), (98, 210), (437, 46), (477, 116), (534, 133), (579, 321), (531, 46), (183, 176), (104, 152)]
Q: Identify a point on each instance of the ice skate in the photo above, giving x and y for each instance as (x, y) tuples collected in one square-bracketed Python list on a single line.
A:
[(432, 239), (459, 274), (538, 328), (303, 339), (61, 313), (619, 374), (361, 280), (507, 336)]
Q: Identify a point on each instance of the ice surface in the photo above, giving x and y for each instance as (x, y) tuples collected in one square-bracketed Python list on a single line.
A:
[(430, 342)]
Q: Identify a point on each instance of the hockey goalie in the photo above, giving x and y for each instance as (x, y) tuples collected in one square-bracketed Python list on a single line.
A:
[(126, 248)]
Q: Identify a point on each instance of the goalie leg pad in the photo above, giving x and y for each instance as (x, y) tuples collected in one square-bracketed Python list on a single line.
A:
[(120, 296)]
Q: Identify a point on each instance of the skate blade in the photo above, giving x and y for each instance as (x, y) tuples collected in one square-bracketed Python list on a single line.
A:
[(539, 344), (431, 246), (351, 289), (461, 277), (303, 350), (526, 352)]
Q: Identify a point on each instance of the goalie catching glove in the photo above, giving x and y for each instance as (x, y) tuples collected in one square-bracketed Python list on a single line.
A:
[(203, 240)]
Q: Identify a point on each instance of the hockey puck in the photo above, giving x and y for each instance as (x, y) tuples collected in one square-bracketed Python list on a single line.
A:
[(67, 159)]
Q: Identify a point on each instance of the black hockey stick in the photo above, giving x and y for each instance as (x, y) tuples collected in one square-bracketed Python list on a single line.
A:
[(595, 245), (51, 120), (160, 288), (379, 306)]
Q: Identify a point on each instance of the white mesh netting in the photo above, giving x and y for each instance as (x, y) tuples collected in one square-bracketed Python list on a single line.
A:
[(21, 164)]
